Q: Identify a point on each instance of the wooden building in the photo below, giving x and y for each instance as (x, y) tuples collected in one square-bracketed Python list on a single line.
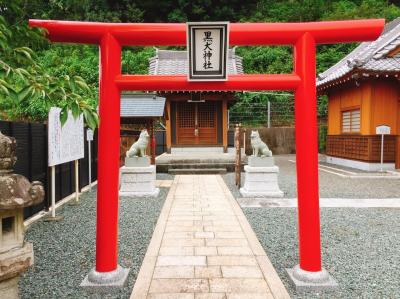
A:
[(139, 111), (363, 92), (194, 119)]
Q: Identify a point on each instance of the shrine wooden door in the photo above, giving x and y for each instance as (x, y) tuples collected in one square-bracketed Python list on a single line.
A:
[(196, 123)]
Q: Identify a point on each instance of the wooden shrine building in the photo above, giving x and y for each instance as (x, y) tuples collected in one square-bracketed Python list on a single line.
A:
[(139, 111), (364, 92), (194, 119)]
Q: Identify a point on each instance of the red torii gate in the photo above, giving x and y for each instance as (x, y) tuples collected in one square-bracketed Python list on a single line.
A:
[(303, 36)]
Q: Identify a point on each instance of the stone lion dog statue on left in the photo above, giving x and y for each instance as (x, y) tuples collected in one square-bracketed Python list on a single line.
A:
[(138, 149)]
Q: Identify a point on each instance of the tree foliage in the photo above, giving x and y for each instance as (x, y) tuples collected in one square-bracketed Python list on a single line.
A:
[(36, 74), (27, 90)]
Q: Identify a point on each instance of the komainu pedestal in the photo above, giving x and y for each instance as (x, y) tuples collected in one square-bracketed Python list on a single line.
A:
[(138, 178), (261, 178)]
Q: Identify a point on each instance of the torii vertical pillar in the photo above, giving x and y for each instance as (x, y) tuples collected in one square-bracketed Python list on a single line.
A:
[(107, 270), (309, 273)]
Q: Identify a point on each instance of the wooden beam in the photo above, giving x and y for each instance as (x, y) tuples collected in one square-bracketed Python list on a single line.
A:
[(225, 124)]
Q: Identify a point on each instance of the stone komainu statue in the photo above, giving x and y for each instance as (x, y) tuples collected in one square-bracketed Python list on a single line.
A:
[(138, 149), (259, 147)]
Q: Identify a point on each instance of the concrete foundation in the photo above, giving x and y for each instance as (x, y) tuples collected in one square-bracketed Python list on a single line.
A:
[(105, 280), (261, 182), (366, 166), (311, 281), (138, 181)]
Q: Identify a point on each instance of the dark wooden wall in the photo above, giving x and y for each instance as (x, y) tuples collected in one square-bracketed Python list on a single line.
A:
[(32, 162)]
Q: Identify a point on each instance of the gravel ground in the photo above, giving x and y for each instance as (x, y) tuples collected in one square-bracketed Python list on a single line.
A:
[(65, 250), (330, 185), (360, 248)]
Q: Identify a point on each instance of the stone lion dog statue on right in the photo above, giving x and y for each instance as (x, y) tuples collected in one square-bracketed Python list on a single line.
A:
[(259, 147)]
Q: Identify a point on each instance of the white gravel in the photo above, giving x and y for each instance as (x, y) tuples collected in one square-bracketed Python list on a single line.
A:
[(65, 251), (360, 248)]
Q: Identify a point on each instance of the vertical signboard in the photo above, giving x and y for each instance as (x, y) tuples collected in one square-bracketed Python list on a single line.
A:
[(66, 143), (207, 44)]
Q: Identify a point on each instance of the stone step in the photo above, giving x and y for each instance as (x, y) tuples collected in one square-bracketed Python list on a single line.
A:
[(199, 165), (197, 170), (164, 168)]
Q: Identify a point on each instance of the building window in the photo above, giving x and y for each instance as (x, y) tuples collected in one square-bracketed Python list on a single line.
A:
[(351, 121)]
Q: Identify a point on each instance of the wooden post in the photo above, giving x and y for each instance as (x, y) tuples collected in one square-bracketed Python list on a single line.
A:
[(238, 156), (225, 125), (397, 165), (168, 126), (153, 144)]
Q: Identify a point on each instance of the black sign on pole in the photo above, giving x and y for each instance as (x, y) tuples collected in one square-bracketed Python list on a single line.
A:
[(207, 44)]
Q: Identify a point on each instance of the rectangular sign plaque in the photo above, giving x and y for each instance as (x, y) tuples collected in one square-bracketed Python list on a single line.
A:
[(207, 44), (383, 130)]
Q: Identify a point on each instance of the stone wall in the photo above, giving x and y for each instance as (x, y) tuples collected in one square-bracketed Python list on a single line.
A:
[(279, 140)]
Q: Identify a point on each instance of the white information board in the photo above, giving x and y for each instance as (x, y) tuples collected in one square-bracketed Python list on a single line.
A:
[(65, 143), (383, 130)]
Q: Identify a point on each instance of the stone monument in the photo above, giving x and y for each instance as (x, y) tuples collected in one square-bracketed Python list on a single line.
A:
[(138, 177), (16, 192), (261, 173)]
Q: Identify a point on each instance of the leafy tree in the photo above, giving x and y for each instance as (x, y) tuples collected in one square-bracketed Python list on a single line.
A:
[(63, 63), (26, 88)]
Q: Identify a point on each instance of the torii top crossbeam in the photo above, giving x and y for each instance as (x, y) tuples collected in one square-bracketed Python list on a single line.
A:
[(302, 36), (241, 34), (158, 34)]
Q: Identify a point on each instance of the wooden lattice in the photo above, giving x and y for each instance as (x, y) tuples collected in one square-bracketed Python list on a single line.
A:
[(206, 115), (361, 147), (186, 115)]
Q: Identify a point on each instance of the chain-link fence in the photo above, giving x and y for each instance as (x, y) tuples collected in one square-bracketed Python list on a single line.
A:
[(268, 110)]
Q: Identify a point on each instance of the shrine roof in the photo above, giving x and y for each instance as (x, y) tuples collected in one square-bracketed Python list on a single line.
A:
[(173, 62), (142, 105), (369, 57)]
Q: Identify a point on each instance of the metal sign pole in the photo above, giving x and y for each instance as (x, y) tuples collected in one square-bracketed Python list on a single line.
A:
[(382, 152), (89, 138), (382, 130), (90, 166), (77, 181), (53, 191)]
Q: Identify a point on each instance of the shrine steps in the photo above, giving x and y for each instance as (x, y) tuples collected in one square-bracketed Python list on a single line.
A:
[(196, 163), (197, 170)]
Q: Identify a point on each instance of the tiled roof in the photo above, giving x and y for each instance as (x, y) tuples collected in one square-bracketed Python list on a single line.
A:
[(142, 105), (368, 56), (168, 62)]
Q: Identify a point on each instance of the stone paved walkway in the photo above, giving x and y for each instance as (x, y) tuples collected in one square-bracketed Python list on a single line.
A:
[(203, 247)]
